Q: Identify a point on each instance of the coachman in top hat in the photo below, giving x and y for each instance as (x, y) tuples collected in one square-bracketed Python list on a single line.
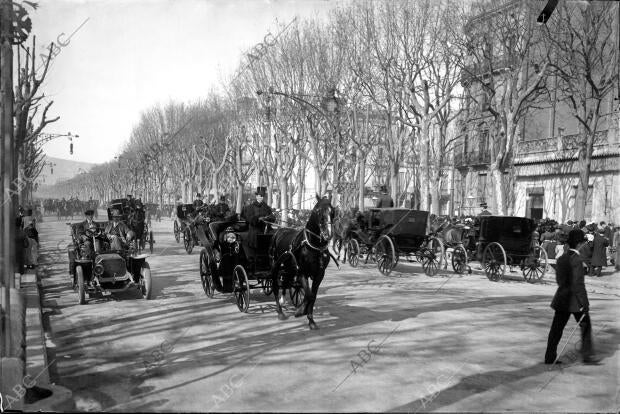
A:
[(254, 212)]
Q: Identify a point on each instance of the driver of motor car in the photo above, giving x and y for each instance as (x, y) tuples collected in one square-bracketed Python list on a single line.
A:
[(89, 225), (118, 232)]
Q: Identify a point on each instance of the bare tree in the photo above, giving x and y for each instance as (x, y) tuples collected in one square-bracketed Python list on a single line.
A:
[(504, 74), (586, 63)]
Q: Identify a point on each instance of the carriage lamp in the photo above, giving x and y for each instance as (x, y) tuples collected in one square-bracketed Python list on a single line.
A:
[(230, 238), (98, 269)]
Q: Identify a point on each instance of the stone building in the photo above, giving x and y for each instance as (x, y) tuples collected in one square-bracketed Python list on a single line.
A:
[(544, 170)]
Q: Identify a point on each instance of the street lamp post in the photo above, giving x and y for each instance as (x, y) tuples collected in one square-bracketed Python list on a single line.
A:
[(330, 102)]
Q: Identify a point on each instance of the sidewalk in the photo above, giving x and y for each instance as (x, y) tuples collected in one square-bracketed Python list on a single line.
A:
[(34, 391)]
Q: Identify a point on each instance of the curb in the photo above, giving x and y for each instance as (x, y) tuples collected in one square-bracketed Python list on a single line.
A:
[(37, 364)]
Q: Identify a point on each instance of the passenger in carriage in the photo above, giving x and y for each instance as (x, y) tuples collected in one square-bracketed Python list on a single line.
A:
[(385, 200), (253, 213)]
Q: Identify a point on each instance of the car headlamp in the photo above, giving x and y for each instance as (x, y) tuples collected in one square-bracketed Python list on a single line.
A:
[(230, 238)]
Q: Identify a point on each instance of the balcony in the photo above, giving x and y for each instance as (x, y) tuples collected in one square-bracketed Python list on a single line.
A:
[(471, 159), (564, 142)]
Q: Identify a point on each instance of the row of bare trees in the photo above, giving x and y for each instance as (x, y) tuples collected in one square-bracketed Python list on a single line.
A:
[(383, 88)]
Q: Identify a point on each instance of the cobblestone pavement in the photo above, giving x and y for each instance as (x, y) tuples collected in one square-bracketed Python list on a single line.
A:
[(406, 342)]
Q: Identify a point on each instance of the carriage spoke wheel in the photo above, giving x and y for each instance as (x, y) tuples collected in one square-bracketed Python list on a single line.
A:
[(177, 232), (206, 275), (535, 265), (353, 252), (297, 294), (385, 253), (187, 240), (432, 256), (459, 259), (267, 285), (494, 261), (241, 288)]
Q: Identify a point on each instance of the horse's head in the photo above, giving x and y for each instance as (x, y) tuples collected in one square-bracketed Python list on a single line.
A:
[(323, 217)]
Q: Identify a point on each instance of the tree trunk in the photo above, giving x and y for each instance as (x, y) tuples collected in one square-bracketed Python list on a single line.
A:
[(424, 164), (584, 161), (284, 200), (239, 205), (498, 189), (394, 179), (361, 180)]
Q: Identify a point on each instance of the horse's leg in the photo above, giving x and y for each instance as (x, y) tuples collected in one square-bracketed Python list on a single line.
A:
[(275, 288), (311, 300), (303, 308)]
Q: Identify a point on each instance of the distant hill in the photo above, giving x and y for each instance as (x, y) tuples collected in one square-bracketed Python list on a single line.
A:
[(61, 170)]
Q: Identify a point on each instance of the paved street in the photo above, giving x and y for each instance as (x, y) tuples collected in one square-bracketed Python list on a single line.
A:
[(406, 342)]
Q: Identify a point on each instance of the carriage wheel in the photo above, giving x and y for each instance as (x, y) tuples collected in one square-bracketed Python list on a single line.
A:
[(267, 285), (241, 288), (151, 241), (459, 259), (385, 254), (494, 261), (206, 275), (177, 232), (432, 256), (146, 282), (187, 240), (297, 295), (353, 252), (79, 273), (535, 265)]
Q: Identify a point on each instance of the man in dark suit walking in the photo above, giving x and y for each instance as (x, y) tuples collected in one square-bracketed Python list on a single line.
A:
[(570, 298)]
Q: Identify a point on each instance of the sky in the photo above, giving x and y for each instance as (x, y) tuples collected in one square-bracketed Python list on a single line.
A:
[(121, 57)]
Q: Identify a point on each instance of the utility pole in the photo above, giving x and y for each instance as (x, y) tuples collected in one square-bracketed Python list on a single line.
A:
[(7, 227)]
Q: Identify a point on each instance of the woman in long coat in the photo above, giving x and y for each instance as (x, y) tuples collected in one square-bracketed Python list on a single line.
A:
[(599, 253)]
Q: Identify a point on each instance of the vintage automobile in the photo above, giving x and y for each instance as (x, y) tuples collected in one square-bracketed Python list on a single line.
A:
[(101, 271)]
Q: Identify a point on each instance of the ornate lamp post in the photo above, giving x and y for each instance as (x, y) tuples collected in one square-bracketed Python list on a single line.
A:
[(331, 105)]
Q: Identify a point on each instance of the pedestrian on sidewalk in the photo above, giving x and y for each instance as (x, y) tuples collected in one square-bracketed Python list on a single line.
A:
[(599, 253), (571, 298)]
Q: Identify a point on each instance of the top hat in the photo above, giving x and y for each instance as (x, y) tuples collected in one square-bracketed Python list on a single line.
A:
[(89, 213), (261, 191), (198, 195), (129, 195), (116, 213), (383, 189), (483, 205)]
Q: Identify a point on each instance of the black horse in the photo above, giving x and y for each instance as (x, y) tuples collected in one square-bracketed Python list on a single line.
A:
[(302, 255)]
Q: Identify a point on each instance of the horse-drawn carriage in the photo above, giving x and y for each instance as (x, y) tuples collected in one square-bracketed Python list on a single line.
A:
[(498, 242), (97, 270), (229, 264), (390, 233), (133, 215)]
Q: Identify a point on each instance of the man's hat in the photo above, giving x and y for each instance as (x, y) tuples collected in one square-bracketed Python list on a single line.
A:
[(89, 213), (198, 195), (129, 195), (483, 205), (261, 191), (116, 213), (222, 198), (383, 189), (575, 237)]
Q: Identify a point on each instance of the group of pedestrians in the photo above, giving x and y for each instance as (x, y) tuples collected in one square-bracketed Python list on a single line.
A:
[(599, 248)]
